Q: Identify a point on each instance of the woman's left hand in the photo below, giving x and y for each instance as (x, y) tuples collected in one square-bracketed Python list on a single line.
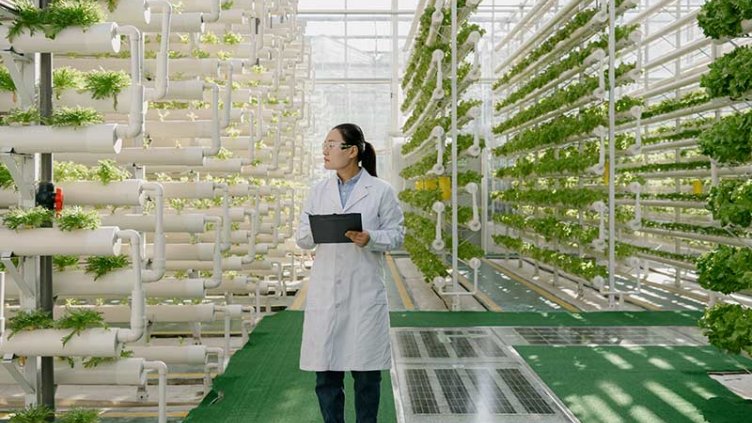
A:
[(359, 238)]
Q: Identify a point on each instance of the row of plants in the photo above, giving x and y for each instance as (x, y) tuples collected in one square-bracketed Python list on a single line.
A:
[(423, 132), (568, 161), (418, 84), (426, 97), (582, 267), (61, 117), (729, 76), (572, 61), (105, 171), (688, 258), (551, 228), (424, 165), (429, 264), (729, 141), (575, 198), (70, 219), (723, 18), (423, 229), (697, 229), (95, 265), (560, 98), (666, 167), (694, 98), (730, 202), (44, 414), (100, 84), (57, 16), (77, 320)]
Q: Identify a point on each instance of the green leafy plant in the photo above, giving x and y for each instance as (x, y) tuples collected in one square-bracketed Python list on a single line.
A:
[(228, 4), (66, 78), (29, 320), (6, 82), (32, 414), (59, 15), (70, 171), (729, 141), (209, 38), (22, 117), (107, 172), (80, 415), (36, 217), (729, 76), (728, 327), (6, 179), (79, 320), (731, 202), (101, 266), (232, 38), (91, 362), (75, 218), (725, 269), (63, 262), (103, 84), (75, 116), (723, 18)]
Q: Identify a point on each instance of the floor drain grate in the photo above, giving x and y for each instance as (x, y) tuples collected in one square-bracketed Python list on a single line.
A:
[(603, 336)]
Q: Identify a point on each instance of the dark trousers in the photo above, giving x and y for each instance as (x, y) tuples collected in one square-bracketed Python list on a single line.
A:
[(330, 389)]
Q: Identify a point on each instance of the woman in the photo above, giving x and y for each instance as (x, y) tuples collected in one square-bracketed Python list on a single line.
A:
[(346, 324)]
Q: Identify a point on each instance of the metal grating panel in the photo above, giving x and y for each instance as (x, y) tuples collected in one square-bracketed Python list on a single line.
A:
[(602, 336), (422, 400), (489, 347), (433, 346), (408, 346), (455, 392), (489, 393), (463, 348), (524, 391)]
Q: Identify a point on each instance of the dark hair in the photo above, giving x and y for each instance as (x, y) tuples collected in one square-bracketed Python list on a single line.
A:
[(353, 135)]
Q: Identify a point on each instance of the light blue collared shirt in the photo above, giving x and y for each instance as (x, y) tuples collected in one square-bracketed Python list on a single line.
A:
[(345, 188)]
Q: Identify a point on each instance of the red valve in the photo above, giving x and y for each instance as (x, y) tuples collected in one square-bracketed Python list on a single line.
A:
[(58, 200)]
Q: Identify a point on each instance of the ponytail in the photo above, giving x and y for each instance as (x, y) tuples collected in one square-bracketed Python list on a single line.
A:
[(353, 135), (368, 158)]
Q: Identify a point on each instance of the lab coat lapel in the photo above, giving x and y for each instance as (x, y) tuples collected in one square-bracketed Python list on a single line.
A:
[(360, 191), (332, 194)]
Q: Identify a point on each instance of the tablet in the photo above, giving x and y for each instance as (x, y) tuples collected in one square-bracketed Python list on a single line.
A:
[(331, 228)]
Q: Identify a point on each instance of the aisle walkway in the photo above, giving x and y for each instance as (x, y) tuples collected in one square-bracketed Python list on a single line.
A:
[(603, 366)]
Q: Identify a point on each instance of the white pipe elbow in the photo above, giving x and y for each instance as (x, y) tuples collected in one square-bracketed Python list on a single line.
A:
[(216, 11), (157, 270), (216, 279), (136, 116), (138, 298), (161, 369), (162, 78)]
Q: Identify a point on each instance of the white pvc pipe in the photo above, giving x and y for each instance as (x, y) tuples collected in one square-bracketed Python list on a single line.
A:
[(98, 38), (158, 259), (192, 89), (138, 299), (186, 354), (216, 279), (73, 98), (136, 114), (95, 193), (96, 342), (189, 156), (125, 371), (51, 241), (215, 122), (161, 368), (49, 139), (164, 23), (188, 222), (229, 264)]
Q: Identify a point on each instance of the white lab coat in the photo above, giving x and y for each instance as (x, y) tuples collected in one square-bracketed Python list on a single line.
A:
[(346, 323)]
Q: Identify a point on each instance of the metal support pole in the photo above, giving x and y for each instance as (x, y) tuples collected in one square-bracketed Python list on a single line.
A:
[(46, 391), (455, 284), (611, 152)]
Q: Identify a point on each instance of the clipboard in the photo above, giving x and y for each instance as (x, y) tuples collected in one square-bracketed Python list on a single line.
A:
[(331, 228)]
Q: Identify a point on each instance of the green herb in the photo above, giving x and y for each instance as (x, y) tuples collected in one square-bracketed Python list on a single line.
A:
[(76, 218), (729, 76), (29, 320), (101, 266), (66, 78), (62, 262), (32, 414), (6, 179), (729, 141), (75, 117), (36, 217), (232, 38), (6, 82), (725, 269), (29, 116), (80, 415), (107, 172), (103, 84), (723, 18), (728, 327), (79, 320)]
